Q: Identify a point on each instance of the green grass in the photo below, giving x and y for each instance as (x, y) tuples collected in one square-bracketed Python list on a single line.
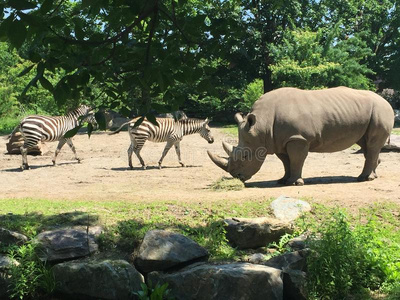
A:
[(227, 184), (396, 131), (230, 130)]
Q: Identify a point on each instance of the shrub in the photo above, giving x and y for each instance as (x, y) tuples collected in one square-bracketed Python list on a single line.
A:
[(349, 260)]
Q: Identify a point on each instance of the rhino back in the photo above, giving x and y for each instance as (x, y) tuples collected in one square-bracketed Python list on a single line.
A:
[(329, 120)]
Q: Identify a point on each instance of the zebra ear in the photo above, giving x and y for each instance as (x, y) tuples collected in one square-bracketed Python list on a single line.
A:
[(207, 121)]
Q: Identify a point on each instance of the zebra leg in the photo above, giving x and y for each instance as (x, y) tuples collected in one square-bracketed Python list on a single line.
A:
[(178, 153), (61, 143), (166, 149), (71, 145), (136, 146), (24, 152)]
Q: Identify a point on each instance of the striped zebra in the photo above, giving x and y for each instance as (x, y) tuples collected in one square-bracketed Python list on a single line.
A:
[(46, 128), (168, 130)]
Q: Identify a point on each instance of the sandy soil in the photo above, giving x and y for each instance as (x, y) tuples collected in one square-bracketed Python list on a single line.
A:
[(330, 178)]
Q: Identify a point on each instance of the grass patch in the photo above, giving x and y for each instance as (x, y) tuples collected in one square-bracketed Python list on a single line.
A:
[(396, 131), (227, 184), (230, 130)]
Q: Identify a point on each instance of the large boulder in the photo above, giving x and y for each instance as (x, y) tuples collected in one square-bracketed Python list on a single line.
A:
[(291, 260), (289, 209), (8, 237), (242, 281), (16, 141), (254, 233), (106, 279), (294, 282), (65, 244), (161, 250), (5, 264)]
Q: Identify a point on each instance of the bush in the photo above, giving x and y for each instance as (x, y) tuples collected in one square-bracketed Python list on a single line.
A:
[(348, 261)]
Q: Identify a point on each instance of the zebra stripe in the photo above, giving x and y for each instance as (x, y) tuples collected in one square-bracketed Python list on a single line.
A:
[(168, 130), (51, 128)]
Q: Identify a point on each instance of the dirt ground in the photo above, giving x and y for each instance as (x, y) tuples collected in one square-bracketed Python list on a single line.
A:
[(103, 174)]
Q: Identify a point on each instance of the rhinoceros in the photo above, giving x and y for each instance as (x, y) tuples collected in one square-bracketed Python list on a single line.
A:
[(291, 122)]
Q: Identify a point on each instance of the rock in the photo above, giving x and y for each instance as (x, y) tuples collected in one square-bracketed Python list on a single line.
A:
[(257, 258), (229, 281), (294, 284), (298, 243), (394, 144), (291, 260), (65, 244), (5, 264), (161, 250), (289, 209), (16, 141), (8, 237), (106, 279), (114, 120), (254, 233)]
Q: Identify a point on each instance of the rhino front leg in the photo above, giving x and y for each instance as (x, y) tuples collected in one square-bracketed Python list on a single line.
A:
[(297, 152), (286, 164)]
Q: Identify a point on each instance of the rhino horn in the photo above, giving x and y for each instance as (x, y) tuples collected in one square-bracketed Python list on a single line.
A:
[(227, 147), (219, 161)]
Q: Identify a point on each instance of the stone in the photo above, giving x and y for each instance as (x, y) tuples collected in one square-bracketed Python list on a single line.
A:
[(105, 279), (289, 209), (394, 144), (65, 244), (291, 260), (236, 281), (161, 250), (257, 258), (16, 141), (247, 233), (294, 284), (8, 237), (5, 264), (298, 243)]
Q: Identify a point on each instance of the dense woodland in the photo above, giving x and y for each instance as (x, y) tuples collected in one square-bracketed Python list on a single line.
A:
[(207, 57)]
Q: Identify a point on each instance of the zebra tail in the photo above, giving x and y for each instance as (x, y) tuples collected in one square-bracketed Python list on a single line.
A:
[(12, 133), (120, 127)]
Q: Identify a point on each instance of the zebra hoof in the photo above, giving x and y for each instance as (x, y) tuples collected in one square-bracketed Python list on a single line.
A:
[(144, 167), (183, 165)]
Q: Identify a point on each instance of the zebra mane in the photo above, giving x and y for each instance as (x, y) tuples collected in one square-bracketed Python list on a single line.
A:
[(79, 111)]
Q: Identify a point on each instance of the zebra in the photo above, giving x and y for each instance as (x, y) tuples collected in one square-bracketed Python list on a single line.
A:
[(37, 128), (168, 130)]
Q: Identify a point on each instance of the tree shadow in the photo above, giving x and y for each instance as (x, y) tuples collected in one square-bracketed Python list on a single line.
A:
[(307, 181), (152, 168)]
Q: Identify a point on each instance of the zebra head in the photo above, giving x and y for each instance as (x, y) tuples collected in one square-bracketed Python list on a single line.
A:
[(205, 132), (87, 115)]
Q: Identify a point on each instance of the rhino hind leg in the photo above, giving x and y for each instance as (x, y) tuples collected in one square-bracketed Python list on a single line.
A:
[(297, 152), (371, 155)]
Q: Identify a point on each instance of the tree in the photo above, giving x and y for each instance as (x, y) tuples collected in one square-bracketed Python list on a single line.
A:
[(313, 60)]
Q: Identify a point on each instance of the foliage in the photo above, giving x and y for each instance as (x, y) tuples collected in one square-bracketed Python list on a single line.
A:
[(253, 91), (30, 277), (158, 292), (346, 260), (312, 60)]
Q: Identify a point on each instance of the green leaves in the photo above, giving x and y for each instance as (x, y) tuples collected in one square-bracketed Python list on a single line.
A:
[(71, 133), (21, 4), (101, 120), (17, 33)]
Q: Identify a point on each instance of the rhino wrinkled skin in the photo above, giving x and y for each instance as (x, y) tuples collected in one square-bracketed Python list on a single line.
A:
[(290, 122)]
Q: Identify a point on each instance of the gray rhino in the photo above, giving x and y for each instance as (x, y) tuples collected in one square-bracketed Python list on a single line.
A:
[(290, 122)]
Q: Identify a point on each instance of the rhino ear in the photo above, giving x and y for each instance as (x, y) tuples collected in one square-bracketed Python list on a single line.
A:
[(251, 120), (238, 118)]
